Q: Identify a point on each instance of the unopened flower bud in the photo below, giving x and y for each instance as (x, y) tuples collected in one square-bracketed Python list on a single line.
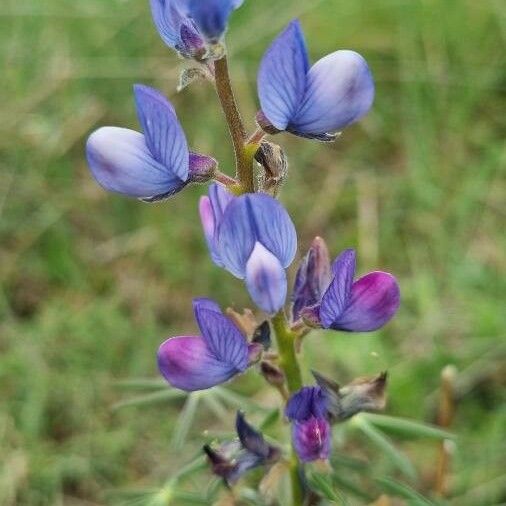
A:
[(202, 168), (273, 159), (362, 394), (313, 278), (262, 335), (272, 373)]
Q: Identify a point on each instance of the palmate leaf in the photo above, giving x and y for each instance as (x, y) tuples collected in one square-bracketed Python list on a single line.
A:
[(396, 457), (393, 487), (405, 427)]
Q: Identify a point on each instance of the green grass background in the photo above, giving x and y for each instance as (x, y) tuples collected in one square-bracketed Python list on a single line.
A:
[(91, 283)]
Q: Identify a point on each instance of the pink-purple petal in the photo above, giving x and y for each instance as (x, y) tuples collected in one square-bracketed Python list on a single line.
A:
[(374, 300), (312, 439), (188, 364), (339, 91), (282, 76)]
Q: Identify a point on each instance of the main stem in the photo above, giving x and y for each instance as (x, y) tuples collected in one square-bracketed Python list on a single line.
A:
[(288, 361), (243, 152)]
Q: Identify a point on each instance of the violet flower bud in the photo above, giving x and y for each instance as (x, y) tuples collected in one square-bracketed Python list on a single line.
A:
[(313, 102), (311, 433), (232, 460), (199, 362), (152, 166), (313, 278)]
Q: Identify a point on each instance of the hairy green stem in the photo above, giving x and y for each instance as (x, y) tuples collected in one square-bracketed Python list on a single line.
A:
[(243, 153), (285, 339)]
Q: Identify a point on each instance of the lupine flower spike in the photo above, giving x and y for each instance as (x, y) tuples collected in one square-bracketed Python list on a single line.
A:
[(233, 459), (314, 102), (196, 363), (353, 306), (253, 237), (188, 26), (152, 166)]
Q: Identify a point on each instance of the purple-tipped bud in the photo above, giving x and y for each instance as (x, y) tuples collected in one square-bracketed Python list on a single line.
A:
[(313, 278), (262, 335), (311, 435), (202, 168), (272, 374), (231, 461)]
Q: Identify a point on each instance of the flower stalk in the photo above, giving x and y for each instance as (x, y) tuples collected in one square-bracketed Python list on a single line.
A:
[(288, 362), (243, 152)]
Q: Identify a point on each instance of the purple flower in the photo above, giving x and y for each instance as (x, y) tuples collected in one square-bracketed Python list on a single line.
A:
[(152, 166), (311, 432), (315, 101), (234, 459), (195, 363), (354, 306), (253, 237), (187, 25)]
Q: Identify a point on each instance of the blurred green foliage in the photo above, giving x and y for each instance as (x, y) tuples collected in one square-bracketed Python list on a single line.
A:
[(91, 283)]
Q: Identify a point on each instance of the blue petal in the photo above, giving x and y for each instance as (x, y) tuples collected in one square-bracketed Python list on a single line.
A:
[(336, 299), (163, 133), (167, 20), (313, 277), (220, 199), (282, 76), (374, 301), (210, 16), (339, 91), (255, 218), (266, 280), (121, 162), (307, 402), (211, 213), (250, 438), (221, 335), (187, 363), (209, 226)]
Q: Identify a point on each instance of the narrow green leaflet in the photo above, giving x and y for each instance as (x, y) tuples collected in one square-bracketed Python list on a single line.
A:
[(151, 398), (398, 489), (398, 459), (322, 485), (185, 421), (406, 427)]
